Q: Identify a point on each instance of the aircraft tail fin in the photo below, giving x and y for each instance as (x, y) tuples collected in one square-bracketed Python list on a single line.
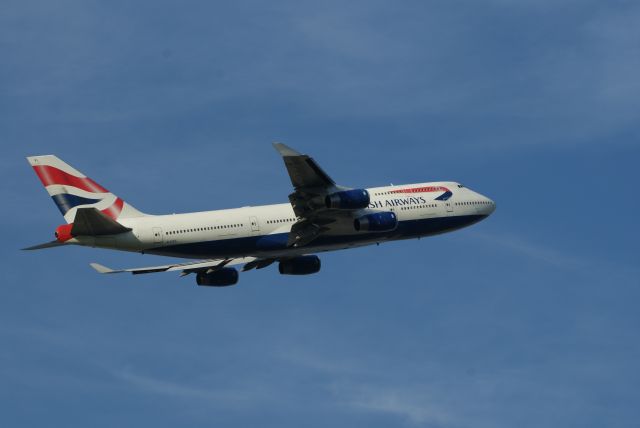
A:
[(70, 190)]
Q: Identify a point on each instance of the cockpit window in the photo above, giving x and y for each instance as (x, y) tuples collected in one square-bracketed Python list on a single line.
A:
[(460, 186)]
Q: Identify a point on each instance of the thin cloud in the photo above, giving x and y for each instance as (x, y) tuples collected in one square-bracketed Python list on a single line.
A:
[(415, 405), (533, 251), (556, 258), (186, 391), (369, 389), (163, 387)]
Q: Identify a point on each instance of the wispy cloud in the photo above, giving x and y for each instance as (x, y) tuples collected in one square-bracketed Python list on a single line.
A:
[(365, 388), (417, 405), (184, 390), (551, 256), (538, 252), (572, 84), (436, 393), (157, 386)]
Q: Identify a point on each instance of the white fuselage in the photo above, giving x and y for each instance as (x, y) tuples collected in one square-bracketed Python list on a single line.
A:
[(262, 231)]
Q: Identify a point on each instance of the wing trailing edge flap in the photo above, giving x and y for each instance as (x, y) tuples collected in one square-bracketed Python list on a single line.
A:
[(304, 232), (258, 264)]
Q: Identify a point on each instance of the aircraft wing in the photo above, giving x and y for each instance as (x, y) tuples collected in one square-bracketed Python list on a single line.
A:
[(186, 268), (311, 185), (304, 172)]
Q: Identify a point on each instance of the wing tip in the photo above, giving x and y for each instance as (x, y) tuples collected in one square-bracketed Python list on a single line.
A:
[(285, 150), (101, 269)]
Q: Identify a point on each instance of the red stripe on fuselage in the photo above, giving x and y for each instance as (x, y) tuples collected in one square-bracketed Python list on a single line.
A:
[(428, 189), (50, 175)]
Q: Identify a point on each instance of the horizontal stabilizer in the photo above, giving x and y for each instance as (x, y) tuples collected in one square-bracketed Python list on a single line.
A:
[(91, 222), (45, 245)]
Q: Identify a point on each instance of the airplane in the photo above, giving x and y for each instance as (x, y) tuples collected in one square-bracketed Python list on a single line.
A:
[(320, 216)]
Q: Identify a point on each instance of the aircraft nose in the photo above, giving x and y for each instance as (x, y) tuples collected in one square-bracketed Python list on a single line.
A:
[(488, 206), (491, 206), (483, 205)]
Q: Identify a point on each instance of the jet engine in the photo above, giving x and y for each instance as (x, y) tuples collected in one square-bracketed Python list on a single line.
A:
[(348, 200), (303, 265), (377, 222), (220, 278)]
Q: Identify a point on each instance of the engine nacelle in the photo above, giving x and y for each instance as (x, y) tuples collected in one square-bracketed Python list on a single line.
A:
[(377, 222), (303, 265), (220, 278), (348, 200), (63, 232)]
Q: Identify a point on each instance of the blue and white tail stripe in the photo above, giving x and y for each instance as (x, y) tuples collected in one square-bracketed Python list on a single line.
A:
[(70, 189)]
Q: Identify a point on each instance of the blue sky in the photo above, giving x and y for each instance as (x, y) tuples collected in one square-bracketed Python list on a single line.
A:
[(528, 319)]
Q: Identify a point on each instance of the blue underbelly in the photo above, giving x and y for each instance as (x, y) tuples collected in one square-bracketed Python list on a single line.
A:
[(261, 244)]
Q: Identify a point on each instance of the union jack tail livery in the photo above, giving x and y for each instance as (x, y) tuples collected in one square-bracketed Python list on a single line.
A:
[(70, 189)]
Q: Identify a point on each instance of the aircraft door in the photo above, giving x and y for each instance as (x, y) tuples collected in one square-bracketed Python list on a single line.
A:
[(449, 207), (157, 235), (255, 225)]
